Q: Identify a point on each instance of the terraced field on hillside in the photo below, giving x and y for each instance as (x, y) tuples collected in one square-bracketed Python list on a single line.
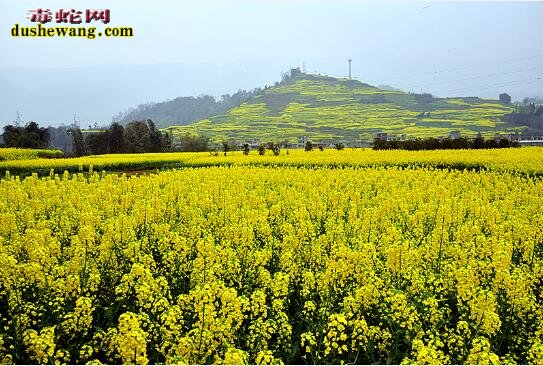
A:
[(327, 108)]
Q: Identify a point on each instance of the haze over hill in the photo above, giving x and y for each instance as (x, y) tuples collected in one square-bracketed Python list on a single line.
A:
[(96, 93), (215, 47)]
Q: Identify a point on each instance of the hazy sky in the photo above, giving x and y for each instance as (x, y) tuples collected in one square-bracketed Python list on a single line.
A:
[(446, 48)]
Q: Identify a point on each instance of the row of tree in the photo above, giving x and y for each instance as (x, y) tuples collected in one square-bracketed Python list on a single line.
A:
[(143, 136), (194, 143), (478, 142), (30, 136), (136, 137), (527, 114)]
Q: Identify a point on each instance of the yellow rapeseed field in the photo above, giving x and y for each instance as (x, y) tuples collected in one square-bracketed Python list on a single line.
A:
[(277, 264), (526, 160), (12, 153)]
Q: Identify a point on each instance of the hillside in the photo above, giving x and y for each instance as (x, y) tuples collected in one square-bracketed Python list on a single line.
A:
[(328, 108), (185, 110)]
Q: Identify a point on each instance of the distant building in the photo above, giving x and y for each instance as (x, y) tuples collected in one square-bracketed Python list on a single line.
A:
[(176, 143), (253, 144), (454, 135), (505, 98), (302, 140), (381, 136), (511, 136), (531, 141), (295, 72)]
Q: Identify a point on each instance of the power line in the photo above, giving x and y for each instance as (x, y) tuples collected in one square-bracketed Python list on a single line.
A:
[(495, 85), (459, 68), (486, 86), (476, 77)]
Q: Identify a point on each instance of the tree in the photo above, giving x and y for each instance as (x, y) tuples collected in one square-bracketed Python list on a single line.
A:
[(225, 147), (166, 142), (154, 137), (97, 142), (37, 137), (12, 136), (138, 137), (116, 138), (246, 149), (478, 142), (78, 141), (308, 146), (339, 146), (261, 150), (275, 148), (491, 144), (194, 143), (30, 136)]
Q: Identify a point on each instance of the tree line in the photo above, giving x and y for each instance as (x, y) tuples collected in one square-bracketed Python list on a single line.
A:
[(527, 114), (185, 110), (135, 137), (432, 143), (30, 136), (143, 136)]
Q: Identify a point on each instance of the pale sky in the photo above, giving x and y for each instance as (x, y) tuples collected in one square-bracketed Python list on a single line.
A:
[(446, 48)]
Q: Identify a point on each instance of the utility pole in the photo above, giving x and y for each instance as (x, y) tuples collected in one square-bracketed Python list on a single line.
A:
[(350, 68), (18, 120), (77, 122)]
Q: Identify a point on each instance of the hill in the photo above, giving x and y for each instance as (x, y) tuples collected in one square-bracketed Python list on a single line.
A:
[(327, 108), (185, 110)]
